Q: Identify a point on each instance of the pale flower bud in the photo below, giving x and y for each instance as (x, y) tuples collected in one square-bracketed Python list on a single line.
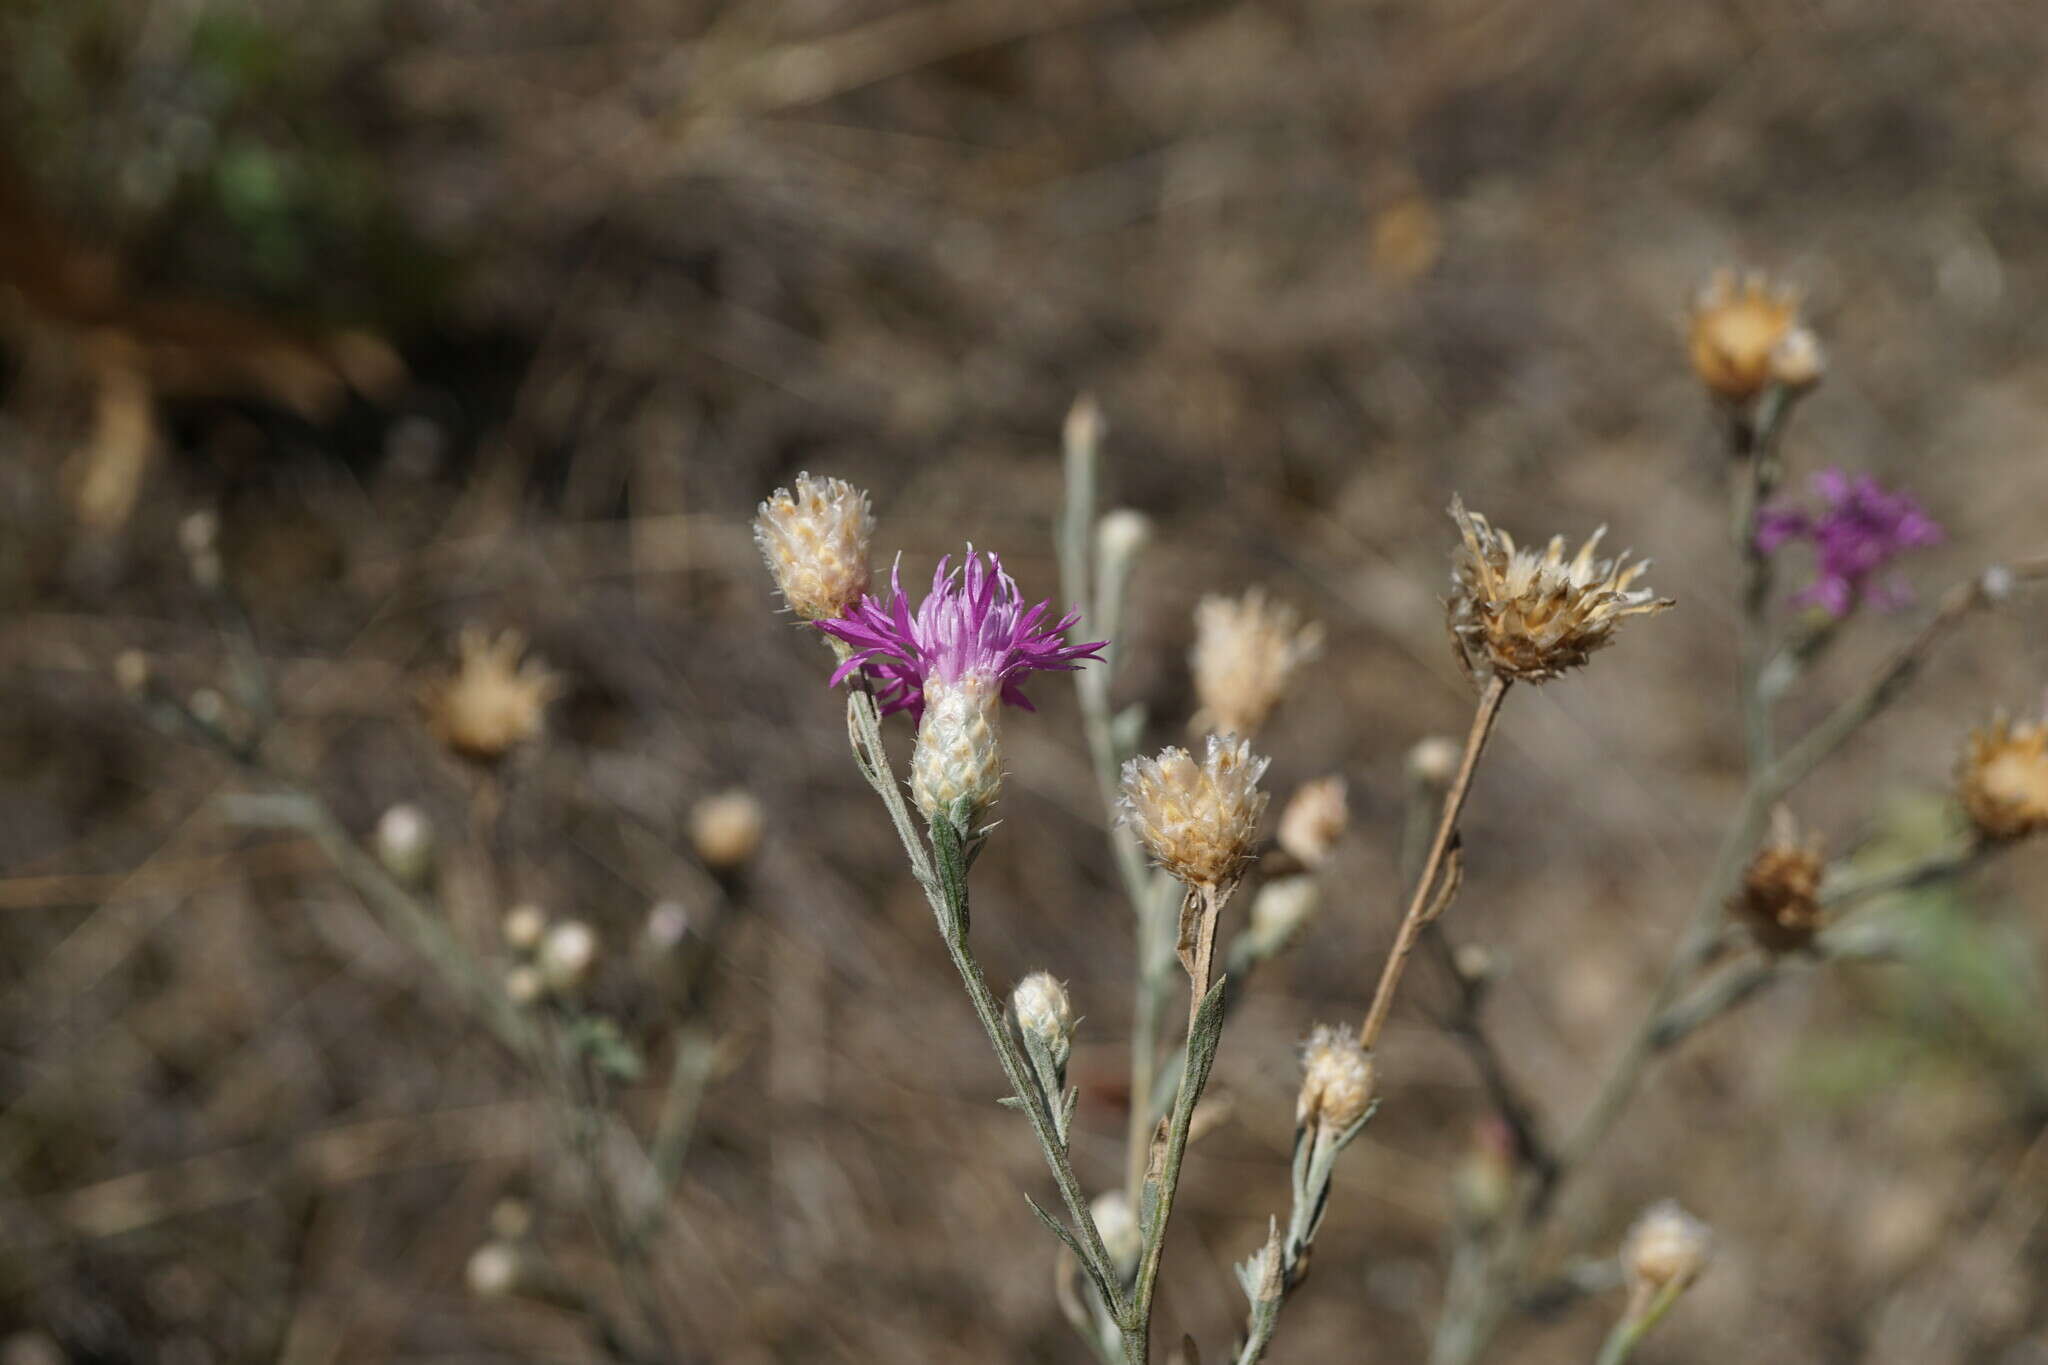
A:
[(1044, 1011), (523, 985), (1336, 1079), (1433, 761), (511, 1219), (1666, 1246), (668, 924), (493, 1271), (404, 843), (815, 541), (1197, 820), (1798, 361), (726, 829), (131, 672), (1246, 652), (523, 926), (959, 753), (566, 955), (1314, 820), (1280, 910), (1121, 1237), (1122, 535)]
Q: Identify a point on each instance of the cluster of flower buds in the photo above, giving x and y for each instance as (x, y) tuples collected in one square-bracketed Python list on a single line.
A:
[(1780, 894), (1245, 654), (1747, 337), (2002, 778), (492, 703), (1528, 617), (1198, 820), (554, 957)]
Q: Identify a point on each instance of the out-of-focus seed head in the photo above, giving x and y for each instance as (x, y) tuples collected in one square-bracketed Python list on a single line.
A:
[(523, 926), (815, 541), (493, 702), (1666, 1246), (1529, 617), (1738, 329), (404, 843), (1044, 1011), (959, 751), (1281, 910), (1121, 1236), (668, 924), (511, 1219), (1433, 761), (131, 673), (2002, 778), (1780, 894), (524, 986), (1798, 361), (567, 953), (1314, 819), (1122, 535), (1336, 1079), (1246, 652), (726, 829), (1198, 820), (494, 1270)]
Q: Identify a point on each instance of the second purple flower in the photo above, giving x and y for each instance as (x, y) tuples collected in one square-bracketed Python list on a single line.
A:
[(1859, 530)]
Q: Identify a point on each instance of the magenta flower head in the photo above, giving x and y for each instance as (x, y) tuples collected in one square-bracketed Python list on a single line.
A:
[(1861, 528), (968, 648)]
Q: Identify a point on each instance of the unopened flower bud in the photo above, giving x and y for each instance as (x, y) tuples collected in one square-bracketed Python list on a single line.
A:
[(1280, 910), (1122, 535), (726, 829), (668, 924), (1780, 894), (523, 926), (959, 753), (2002, 778), (1433, 761), (1197, 820), (524, 986), (1336, 1080), (815, 541), (1484, 1180), (1798, 360), (1314, 820), (131, 672), (494, 1270), (1246, 652), (208, 706), (404, 844), (1044, 1012), (1666, 1246), (1121, 1237), (511, 1219), (566, 955)]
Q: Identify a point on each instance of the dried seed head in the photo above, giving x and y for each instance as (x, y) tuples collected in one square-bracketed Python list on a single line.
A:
[(1737, 333), (1314, 820), (1780, 895), (1666, 1246), (523, 926), (1197, 820), (816, 543), (1122, 535), (2002, 778), (494, 1270), (404, 843), (1246, 651), (566, 955), (1433, 761), (1121, 1237), (492, 702), (1280, 910), (959, 752), (1528, 616), (1336, 1079), (1044, 1011), (726, 829)]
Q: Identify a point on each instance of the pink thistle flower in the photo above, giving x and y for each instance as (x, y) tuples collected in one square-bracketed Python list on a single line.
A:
[(1861, 529), (973, 625)]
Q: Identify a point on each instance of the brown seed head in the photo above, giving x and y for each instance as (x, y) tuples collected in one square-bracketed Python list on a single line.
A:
[(1246, 652), (1314, 819), (1746, 336), (1528, 616), (1336, 1079), (816, 543), (493, 702), (1666, 1245), (1197, 820), (1780, 895), (2002, 778)]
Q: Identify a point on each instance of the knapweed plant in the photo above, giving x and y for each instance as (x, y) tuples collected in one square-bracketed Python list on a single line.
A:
[(1184, 826)]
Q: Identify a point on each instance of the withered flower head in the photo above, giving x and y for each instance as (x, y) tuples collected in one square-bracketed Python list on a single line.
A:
[(1314, 820), (815, 540), (1197, 820), (1336, 1079), (1528, 616), (1780, 895), (2002, 779), (1666, 1246), (1246, 651), (1747, 336), (492, 703)]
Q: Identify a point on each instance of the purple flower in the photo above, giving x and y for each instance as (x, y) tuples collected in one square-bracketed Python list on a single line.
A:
[(1860, 529), (973, 623)]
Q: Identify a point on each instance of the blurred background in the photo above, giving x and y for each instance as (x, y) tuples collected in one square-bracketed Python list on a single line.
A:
[(505, 313)]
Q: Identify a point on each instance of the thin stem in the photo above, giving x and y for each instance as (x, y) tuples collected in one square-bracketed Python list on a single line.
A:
[(1752, 444), (1417, 915)]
